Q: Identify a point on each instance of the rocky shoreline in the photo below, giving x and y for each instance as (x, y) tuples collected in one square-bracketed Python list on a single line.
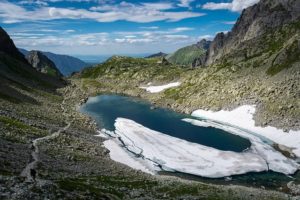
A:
[(146, 96)]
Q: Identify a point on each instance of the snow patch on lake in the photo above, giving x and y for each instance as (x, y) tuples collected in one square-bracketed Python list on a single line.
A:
[(242, 117), (145, 149), (156, 89), (119, 154), (274, 159)]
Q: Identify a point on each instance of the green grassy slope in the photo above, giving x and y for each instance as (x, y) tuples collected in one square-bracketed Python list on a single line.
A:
[(186, 55)]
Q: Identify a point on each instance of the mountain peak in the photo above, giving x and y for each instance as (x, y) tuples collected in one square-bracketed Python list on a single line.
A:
[(253, 24), (159, 54), (203, 44)]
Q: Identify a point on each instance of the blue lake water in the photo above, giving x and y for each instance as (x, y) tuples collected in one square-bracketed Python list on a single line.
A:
[(105, 109)]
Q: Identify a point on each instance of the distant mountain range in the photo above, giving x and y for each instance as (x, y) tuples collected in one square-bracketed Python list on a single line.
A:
[(66, 64)]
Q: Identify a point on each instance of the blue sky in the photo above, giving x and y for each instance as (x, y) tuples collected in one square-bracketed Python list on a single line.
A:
[(106, 27)]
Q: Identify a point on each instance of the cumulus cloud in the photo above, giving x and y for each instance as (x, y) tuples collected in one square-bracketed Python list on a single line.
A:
[(185, 3), (33, 2), (133, 40), (170, 36), (217, 6), (70, 38), (103, 42), (142, 13), (235, 5), (33, 39)]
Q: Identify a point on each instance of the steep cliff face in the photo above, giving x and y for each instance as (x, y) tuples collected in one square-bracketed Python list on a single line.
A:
[(43, 64), (255, 27), (8, 47), (17, 77)]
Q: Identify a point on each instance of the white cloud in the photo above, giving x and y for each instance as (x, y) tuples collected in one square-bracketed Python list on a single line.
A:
[(153, 32), (229, 22), (217, 6), (133, 40), (70, 39), (207, 37), (169, 36), (235, 5), (181, 29), (104, 43), (146, 12), (158, 6), (176, 37), (70, 31), (95, 1), (30, 40), (149, 27), (130, 36), (33, 2), (185, 3)]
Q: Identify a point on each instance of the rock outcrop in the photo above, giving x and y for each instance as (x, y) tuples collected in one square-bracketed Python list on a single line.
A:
[(200, 61), (247, 37), (203, 44), (43, 64)]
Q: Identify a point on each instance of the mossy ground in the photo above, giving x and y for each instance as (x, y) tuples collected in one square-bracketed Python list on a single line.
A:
[(17, 131)]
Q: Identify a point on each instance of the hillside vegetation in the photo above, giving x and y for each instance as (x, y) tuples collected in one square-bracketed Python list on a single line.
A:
[(186, 55)]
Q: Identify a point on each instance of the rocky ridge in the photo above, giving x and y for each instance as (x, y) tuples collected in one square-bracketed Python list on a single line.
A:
[(18, 77), (8, 46), (159, 54), (249, 36), (43, 64), (64, 63)]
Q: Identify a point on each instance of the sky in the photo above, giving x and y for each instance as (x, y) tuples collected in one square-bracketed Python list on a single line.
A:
[(116, 27)]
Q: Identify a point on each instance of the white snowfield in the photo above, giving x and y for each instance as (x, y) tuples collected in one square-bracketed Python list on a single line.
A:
[(153, 149), (242, 117), (159, 88)]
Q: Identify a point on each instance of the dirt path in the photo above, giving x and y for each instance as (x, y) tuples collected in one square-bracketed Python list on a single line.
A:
[(30, 172)]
